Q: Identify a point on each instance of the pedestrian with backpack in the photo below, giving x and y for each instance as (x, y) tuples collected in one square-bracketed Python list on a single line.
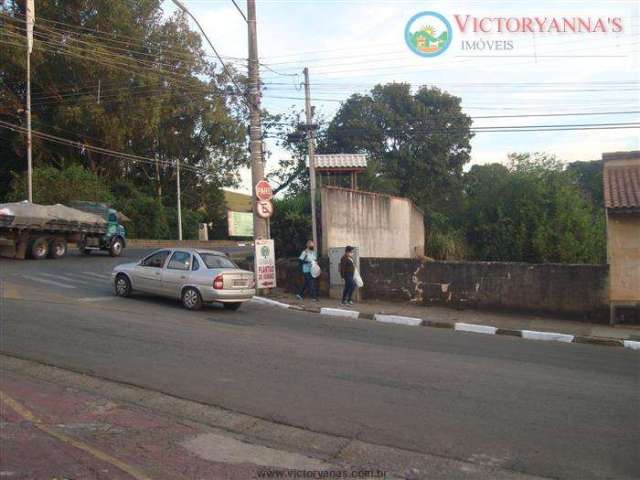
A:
[(308, 262)]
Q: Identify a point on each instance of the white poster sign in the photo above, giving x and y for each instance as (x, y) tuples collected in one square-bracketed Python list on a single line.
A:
[(265, 256)]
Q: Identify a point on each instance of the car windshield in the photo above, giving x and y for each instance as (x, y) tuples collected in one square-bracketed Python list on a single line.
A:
[(212, 260)]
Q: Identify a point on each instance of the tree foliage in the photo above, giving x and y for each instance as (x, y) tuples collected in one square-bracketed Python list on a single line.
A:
[(533, 211), (120, 75), (417, 143)]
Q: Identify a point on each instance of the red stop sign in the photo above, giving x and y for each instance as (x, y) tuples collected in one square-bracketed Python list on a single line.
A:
[(264, 191)]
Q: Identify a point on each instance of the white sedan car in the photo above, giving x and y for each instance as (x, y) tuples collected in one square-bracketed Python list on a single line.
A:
[(193, 276)]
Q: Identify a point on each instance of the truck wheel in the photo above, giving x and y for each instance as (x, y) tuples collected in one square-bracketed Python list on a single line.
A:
[(40, 248), (57, 248), (122, 286), (191, 299), (116, 248), (232, 306)]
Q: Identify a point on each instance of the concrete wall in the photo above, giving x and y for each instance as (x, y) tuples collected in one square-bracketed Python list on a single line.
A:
[(575, 291), (579, 291), (380, 225), (623, 251)]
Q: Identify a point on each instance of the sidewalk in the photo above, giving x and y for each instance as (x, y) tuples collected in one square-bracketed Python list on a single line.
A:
[(53, 431), (448, 317)]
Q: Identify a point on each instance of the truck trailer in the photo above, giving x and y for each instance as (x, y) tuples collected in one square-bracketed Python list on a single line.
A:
[(41, 231)]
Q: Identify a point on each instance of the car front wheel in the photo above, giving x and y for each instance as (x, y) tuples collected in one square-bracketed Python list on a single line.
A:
[(191, 299)]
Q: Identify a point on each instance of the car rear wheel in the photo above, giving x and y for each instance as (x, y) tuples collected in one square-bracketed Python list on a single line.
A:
[(191, 299), (122, 286), (232, 306), (57, 248), (40, 248)]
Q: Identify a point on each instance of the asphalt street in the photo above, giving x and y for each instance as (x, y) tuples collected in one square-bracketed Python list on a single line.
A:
[(548, 409)]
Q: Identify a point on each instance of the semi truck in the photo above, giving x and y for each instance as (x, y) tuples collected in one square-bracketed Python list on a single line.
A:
[(41, 231)]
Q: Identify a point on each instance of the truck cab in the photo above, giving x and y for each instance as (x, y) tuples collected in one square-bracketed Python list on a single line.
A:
[(113, 240)]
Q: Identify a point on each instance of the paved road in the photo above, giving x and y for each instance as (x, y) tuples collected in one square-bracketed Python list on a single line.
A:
[(547, 409)]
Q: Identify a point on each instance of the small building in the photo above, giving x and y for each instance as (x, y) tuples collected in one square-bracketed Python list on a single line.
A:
[(621, 178), (340, 170)]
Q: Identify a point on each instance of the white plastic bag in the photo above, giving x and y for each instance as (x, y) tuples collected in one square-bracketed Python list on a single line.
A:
[(358, 279), (315, 270)]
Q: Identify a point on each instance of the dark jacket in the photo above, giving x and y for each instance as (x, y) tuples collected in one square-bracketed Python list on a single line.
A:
[(347, 266)]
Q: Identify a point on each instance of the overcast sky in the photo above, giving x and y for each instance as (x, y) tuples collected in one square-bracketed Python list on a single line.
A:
[(349, 46)]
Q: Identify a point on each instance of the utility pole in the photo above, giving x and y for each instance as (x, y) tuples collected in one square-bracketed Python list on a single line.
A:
[(178, 195), (311, 134), (29, 20), (255, 129)]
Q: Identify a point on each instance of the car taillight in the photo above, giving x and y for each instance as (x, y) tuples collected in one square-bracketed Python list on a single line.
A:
[(218, 282)]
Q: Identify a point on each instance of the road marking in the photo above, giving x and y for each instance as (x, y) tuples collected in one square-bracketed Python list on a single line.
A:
[(49, 282), (95, 299), (100, 455), (60, 277), (102, 276)]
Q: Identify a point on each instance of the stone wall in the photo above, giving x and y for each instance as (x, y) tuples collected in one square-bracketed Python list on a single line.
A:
[(579, 291), (576, 291)]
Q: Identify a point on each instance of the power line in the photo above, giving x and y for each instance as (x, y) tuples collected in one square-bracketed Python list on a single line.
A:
[(240, 10)]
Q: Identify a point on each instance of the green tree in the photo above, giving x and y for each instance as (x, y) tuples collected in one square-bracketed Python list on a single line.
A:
[(160, 97), (51, 186), (417, 143), (532, 211)]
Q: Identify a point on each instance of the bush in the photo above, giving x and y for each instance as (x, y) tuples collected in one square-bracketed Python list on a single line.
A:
[(291, 224)]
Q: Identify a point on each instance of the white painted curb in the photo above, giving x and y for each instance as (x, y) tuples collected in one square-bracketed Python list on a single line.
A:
[(470, 327), (411, 321), (338, 312), (549, 336), (268, 301), (633, 345)]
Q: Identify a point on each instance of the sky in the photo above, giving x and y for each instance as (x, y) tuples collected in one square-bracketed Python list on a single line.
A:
[(349, 46)]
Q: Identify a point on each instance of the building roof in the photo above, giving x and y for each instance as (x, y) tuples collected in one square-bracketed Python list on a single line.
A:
[(341, 161), (622, 181)]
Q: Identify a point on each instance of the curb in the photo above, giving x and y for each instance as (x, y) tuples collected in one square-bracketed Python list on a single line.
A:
[(459, 326), (268, 301), (338, 312)]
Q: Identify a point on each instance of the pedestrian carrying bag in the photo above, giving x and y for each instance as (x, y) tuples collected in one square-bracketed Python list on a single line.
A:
[(357, 279), (315, 270)]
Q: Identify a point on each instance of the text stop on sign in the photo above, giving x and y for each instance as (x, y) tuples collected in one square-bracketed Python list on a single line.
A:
[(264, 192)]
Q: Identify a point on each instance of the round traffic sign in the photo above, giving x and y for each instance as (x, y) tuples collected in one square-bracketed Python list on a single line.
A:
[(264, 192), (264, 209)]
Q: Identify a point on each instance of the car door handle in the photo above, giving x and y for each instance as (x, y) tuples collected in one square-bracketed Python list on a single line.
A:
[(157, 273), (182, 277)]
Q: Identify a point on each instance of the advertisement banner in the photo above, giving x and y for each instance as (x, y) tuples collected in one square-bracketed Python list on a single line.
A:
[(240, 224), (265, 256)]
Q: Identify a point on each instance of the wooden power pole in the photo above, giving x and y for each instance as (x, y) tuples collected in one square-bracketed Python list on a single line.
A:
[(311, 135), (255, 128)]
